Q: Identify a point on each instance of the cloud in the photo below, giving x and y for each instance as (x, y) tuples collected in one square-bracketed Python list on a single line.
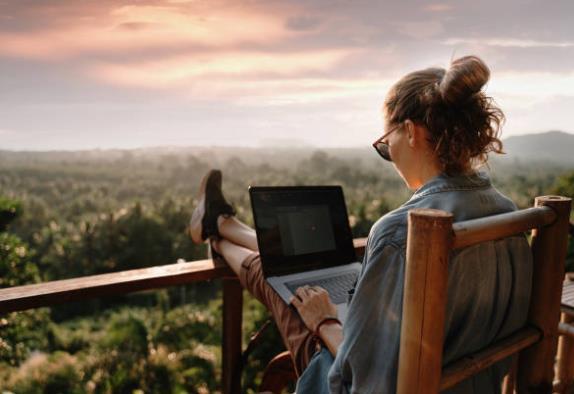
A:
[(303, 91), (438, 7), (302, 23), (509, 42), (134, 27), (313, 69), (421, 29), (532, 85), (247, 66)]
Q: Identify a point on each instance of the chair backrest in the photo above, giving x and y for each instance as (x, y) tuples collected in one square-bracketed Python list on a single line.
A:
[(431, 237)]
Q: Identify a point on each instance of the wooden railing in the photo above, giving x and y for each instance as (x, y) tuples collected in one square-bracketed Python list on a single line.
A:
[(61, 291)]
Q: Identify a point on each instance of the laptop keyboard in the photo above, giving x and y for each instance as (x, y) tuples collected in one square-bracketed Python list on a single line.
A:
[(337, 286)]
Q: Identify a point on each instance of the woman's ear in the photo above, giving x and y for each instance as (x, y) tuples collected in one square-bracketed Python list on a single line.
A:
[(416, 134), (411, 130)]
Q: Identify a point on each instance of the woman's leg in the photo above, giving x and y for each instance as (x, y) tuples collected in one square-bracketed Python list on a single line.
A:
[(238, 244), (237, 232), (238, 241), (247, 265), (233, 253)]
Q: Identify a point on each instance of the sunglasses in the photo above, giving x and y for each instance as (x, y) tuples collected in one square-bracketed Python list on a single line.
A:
[(383, 148)]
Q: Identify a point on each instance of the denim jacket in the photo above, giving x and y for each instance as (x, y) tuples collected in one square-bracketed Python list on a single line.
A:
[(488, 295)]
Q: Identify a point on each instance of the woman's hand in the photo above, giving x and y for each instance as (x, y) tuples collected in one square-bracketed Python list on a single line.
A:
[(313, 305)]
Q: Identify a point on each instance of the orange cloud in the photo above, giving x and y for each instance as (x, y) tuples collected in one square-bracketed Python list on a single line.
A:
[(250, 78), (136, 27), (438, 7), (362, 92), (218, 66)]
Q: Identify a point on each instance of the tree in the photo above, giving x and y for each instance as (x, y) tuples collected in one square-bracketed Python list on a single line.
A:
[(565, 187), (20, 333)]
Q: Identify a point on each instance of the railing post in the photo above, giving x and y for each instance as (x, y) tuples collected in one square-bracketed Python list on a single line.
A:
[(424, 301), (565, 367), (549, 244), (231, 346)]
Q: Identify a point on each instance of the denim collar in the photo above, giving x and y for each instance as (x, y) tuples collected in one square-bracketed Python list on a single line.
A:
[(443, 183)]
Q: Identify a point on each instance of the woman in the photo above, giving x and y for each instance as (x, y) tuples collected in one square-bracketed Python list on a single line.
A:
[(439, 127)]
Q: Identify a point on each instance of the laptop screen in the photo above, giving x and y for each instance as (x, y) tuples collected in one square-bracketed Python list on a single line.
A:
[(301, 228)]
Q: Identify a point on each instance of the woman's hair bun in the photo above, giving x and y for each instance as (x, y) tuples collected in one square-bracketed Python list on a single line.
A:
[(465, 77)]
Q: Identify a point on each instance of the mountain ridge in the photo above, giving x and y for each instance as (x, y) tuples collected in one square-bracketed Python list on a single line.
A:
[(553, 146)]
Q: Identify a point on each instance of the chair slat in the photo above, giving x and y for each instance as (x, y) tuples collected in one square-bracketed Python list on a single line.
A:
[(489, 228), (474, 363)]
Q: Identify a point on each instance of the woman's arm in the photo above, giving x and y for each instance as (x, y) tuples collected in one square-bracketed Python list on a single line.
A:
[(332, 336), (314, 307), (367, 358)]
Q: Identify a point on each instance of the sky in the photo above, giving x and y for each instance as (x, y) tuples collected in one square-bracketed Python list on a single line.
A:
[(82, 74)]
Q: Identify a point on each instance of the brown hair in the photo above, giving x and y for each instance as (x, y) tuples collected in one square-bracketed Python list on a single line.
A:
[(464, 124)]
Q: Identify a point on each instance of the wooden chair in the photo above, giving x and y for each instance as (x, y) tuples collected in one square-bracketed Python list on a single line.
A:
[(431, 236), (565, 366)]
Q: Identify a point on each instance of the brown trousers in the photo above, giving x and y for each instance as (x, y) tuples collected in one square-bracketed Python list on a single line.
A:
[(298, 339)]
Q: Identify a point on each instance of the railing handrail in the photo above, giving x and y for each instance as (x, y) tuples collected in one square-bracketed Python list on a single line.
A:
[(60, 291), (37, 295)]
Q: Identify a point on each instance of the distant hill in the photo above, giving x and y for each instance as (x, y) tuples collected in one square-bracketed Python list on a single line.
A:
[(551, 146)]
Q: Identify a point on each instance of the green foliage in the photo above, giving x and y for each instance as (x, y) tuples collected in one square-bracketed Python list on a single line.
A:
[(127, 350), (9, 210), (48, 374), (180, 326), (20, 333), (15, 267), (565, 187), (128, 336), (123, 354)]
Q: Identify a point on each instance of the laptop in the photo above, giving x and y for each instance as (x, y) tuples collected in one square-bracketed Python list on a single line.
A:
[(304, 239)]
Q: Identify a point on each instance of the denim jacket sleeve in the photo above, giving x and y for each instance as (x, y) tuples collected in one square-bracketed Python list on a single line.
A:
[(367, 358)]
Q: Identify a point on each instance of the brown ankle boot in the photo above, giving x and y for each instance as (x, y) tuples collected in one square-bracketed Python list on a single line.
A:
[(203, 223)]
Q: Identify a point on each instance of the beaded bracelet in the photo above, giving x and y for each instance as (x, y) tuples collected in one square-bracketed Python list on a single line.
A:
[(326, 320)]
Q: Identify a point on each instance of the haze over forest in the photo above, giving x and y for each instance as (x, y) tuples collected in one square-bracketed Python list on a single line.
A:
[(551, 146)]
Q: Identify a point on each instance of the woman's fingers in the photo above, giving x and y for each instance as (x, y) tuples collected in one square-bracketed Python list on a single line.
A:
[(301, 292), (296, 301), (307, 291), (304, 292), (313, 305)]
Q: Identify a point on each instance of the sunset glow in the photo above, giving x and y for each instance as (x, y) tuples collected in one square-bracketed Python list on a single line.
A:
[(77, 75)]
